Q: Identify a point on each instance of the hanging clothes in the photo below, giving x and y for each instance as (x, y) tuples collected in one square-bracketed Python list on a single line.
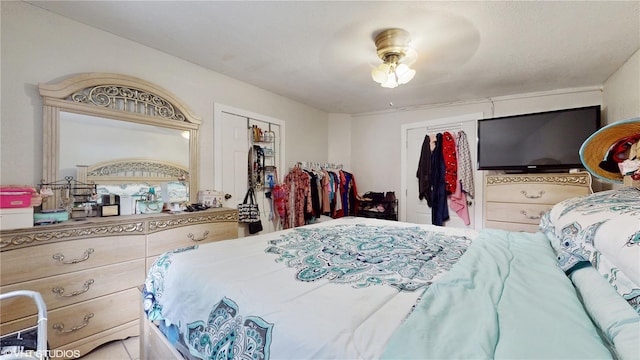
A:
[(347, 195), (315, 197), (298, 186), (465, 167), (315, 190), (320, 190), (458, 200), (344, 187), (424, 171), (440, 209), (458, 203), (350, 194), (450, 162), (326, 192), (336, 203)]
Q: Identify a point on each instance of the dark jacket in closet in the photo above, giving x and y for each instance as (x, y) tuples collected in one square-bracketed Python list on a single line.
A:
[(424, 171), (440, 209)]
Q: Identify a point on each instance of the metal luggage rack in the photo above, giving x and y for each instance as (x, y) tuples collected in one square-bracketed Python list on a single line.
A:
[(15, 345)]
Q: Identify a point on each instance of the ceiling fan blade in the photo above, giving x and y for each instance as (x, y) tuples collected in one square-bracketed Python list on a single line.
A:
[(410, 57)]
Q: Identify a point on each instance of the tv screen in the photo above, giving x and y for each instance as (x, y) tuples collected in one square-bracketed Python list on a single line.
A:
[(536, 142)]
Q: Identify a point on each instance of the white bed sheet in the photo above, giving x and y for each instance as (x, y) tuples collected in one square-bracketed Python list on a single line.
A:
[(316, 319)]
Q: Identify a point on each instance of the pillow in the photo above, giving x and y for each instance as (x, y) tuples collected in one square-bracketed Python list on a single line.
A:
[(619, 324), (601, 225)]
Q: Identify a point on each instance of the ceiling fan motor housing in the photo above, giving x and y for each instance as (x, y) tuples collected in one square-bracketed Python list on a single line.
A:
[(392, 43)]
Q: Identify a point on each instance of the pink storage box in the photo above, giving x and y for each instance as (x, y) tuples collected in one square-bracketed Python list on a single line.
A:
[(15, 197)]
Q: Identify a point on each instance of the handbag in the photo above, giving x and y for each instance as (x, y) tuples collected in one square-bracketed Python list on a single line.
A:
[(248, 211), (279, 196), (255, 227)]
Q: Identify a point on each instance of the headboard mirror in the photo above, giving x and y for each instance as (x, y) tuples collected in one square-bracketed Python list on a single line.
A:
[(97, 117)]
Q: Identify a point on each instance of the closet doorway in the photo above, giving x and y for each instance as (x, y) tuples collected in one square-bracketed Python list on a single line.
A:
[(232, 143), (414, 210)]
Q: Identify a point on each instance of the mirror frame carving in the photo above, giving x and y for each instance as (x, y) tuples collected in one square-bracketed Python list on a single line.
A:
[(136, 100)]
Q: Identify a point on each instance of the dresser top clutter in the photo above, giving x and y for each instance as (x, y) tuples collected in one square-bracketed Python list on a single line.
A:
[(110, 226)]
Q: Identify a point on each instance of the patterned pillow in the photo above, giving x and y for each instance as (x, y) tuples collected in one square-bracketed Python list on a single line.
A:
[(603, 229)]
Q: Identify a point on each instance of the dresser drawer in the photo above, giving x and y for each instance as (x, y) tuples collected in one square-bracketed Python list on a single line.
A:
[(519, 213), (90, 317), (68, 256), (533, 193), (165, 240), (67, 289)]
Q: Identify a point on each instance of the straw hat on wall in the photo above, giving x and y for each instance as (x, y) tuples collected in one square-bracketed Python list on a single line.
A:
[(608, 146)]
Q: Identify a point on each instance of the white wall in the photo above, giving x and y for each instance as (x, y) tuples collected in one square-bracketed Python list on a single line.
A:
[(621, 97), (340, 140), (375, 139), (38, 46)]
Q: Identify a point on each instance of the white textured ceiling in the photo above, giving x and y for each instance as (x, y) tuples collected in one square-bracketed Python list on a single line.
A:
[(321, 52)]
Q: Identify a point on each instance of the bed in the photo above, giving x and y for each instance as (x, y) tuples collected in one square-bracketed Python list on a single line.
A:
[(369, 288)]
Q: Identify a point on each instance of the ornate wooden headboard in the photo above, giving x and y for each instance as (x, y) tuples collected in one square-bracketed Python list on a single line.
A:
[(127, 171)]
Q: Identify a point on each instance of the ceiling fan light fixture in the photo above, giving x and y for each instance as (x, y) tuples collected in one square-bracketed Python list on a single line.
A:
[(404, 73), (394, 50), (380, 73), (390, 83)]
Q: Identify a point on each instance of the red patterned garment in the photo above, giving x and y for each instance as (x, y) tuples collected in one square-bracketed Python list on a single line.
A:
[(450, 162), (298, 185)]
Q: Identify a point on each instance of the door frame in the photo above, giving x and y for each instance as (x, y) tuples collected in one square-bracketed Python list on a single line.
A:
[(218, 109), (404, 144)]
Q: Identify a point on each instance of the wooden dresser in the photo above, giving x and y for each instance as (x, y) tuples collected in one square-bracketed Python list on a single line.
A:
[(517, 202), (89, 271)]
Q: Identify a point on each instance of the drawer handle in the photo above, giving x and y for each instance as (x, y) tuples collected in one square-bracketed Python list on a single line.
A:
[(540, 193), (85, 322), (60, 290), (60, 257), (193, 238), (532, 217)]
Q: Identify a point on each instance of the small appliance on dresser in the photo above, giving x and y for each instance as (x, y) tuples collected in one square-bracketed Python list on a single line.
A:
[(110, 205)]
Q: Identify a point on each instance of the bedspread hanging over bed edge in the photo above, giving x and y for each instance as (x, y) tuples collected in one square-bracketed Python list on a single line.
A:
[(505, 299)]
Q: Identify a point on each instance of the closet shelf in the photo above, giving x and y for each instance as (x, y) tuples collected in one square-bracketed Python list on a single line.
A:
[(378, 206), (262, 157)]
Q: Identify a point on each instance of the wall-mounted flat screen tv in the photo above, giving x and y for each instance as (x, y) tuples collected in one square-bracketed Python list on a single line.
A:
[(543, 141)]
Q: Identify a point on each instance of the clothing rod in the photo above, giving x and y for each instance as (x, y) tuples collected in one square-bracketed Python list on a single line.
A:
[(318, 165), (444, 127)]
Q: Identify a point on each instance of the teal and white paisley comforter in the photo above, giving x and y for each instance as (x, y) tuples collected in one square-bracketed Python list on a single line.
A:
[(603, 230), (331, 290)]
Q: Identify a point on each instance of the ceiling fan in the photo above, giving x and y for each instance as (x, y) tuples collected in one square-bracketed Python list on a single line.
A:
[(394, 49)]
